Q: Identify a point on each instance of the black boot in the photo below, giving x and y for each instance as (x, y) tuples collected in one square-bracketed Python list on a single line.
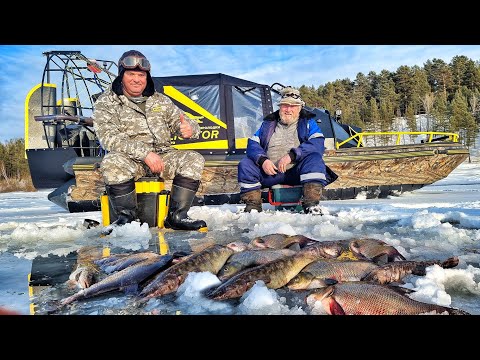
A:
[(253, 200), (312, 194), (123, 199), (181, 198)]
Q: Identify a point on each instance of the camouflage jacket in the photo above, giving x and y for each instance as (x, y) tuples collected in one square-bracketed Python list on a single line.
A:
[(122, 126)]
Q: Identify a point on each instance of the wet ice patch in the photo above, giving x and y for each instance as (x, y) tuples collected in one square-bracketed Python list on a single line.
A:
[(31, 233), (260, 300), (272, 228), (353, 217), (8, 225), (424, 220), (328, 230), (219, 217), (436, 285), (131, 236), (316, 307)]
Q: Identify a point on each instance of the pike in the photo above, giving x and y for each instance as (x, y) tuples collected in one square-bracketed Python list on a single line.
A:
[(250, 258), (324, 272), (86, 270), (397, 270), (210, 259), (274, 274), (120, 263), (363, 298), (125, 279)]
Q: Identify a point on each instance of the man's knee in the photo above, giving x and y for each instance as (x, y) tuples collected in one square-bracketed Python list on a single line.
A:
[(116, 169), (246, 163), (198, 158), (190, 164)]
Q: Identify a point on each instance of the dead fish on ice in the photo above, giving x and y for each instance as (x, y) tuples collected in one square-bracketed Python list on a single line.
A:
[(274, 274), (210, 259), (364, 298), (125, 279), (250, 258)]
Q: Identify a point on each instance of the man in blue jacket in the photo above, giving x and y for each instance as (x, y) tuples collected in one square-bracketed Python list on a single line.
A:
[(287, 149)]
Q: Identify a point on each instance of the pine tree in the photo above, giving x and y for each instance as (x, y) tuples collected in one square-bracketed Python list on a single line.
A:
[(462, 120), (440, 113)]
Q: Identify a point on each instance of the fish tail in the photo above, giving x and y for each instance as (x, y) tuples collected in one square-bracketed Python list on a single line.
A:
[(72, 298), (453, 311)]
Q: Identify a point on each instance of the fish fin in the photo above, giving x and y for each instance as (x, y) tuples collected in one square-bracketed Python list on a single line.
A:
[(180, 253), (71, 299), (90, 223), (455, 311), (450, 262), (305, 241), (330, 281), (294, 247), (318, 283), (398, 283), (208, 292), (130, 289), (336, 308), (381, 259), (401, 290), (266, 280), (396, 257), (353, 245)]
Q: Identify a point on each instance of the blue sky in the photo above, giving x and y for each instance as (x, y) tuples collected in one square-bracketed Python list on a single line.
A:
[(22, 65)]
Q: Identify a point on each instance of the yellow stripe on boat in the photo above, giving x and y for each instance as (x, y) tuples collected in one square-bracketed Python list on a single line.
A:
[(177, 95)]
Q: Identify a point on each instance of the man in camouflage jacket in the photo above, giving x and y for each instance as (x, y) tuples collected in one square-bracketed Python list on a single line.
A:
[(134, 124)]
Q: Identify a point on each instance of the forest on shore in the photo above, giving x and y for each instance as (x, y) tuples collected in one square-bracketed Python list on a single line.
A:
[(448, 94), (14, 171)]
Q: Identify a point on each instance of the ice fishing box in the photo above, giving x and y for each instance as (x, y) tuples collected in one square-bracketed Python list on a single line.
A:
[(285, 197), (152, 202)]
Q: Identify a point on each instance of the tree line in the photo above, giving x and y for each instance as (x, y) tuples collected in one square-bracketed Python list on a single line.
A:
[(14, 171), (447, 94)]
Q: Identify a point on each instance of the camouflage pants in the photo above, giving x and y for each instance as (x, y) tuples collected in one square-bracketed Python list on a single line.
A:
[(117, 168)]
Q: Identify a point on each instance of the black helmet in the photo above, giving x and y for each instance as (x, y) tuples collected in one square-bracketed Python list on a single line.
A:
[(133, 59)]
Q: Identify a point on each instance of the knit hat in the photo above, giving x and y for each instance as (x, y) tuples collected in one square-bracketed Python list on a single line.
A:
[(141, 64), (290, 96)]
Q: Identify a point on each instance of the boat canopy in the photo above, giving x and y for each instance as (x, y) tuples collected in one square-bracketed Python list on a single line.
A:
[(229, 110)]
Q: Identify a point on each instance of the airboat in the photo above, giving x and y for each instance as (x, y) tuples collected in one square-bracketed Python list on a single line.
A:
[(64, 153)]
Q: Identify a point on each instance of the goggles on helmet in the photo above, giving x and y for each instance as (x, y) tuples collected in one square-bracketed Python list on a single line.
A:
[(131, 62)]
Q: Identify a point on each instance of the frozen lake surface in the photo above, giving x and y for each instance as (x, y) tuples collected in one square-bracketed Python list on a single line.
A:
[(435, 222)]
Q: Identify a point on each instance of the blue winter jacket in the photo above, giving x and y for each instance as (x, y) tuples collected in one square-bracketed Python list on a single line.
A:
[(309, 133)]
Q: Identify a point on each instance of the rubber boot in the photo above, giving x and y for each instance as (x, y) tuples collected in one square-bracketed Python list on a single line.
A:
[(181, 199), (253, 200), (123, 199), (312, 194)]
